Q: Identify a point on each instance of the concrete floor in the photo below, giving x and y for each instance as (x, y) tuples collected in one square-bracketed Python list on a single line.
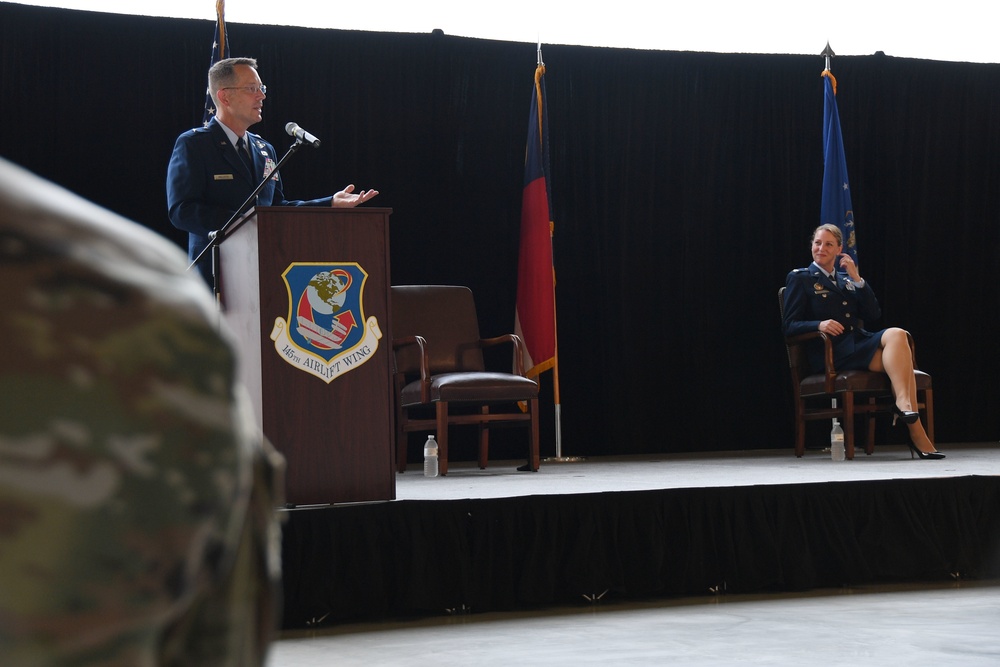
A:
[(927, 625)]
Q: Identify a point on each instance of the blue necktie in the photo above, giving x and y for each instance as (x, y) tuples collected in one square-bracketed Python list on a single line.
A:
[(241, 148)]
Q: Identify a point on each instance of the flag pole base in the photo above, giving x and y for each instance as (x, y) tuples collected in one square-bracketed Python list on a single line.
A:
[(564, 459)]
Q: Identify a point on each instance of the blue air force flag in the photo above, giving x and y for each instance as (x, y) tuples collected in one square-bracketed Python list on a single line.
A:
[(835, 206)]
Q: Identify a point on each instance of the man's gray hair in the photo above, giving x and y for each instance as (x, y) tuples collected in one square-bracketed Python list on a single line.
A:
[(223, 73)]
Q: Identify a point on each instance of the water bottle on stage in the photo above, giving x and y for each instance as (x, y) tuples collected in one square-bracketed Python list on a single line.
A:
[(430, 457)]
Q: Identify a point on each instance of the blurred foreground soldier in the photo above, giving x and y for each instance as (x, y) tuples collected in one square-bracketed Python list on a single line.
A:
[(137, 522)]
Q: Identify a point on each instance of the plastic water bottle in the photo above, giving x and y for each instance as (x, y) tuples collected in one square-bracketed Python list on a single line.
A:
[(431, 457), (837, 442)]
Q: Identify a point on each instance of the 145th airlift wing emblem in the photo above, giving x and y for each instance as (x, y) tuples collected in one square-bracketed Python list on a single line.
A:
[(326, 333)]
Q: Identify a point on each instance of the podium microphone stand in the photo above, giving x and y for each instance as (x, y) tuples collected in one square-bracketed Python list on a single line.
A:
[(215, 237)]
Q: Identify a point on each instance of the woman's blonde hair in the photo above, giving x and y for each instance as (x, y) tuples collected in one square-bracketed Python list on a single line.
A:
[(833, 229)]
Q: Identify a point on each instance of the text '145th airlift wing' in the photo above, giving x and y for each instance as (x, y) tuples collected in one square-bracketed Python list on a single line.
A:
[(325, 333)]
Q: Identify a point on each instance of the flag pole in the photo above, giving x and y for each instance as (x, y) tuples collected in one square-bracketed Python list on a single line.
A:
[(556, 399), (558, 458), (828, 54), (220, 51), (220, 17)]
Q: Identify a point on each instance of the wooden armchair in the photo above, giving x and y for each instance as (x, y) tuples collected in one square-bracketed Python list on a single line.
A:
[(857, 393), (439, 366)]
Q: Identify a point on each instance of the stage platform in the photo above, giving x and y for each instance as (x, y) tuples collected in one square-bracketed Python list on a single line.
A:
[(643, 527), (681, 471)]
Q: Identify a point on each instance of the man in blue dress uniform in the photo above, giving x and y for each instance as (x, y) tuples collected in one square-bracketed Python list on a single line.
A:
[(214, 169)]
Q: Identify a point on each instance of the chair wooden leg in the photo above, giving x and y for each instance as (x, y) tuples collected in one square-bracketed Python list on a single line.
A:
[(442, 437), (800, 429), (401, 442), (929, 413), (534, 458), (848, 424), (870, 442), (484, 439)]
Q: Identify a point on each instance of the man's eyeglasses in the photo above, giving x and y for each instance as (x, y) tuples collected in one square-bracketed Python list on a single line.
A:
[(250, 89)]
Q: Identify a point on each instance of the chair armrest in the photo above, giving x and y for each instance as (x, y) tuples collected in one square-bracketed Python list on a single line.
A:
[(518, 349), (425, 376), (801, 338), (829, 370)]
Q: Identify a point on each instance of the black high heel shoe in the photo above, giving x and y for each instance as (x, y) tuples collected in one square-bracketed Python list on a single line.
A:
[(906, 416), (924, 455)]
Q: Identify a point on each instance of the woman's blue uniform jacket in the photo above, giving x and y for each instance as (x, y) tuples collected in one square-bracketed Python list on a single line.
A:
[(811, 297)]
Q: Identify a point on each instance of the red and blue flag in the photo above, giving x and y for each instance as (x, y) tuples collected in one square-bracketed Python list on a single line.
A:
[(535, 318)]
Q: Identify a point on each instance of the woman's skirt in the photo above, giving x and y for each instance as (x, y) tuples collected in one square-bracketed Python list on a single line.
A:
[(866, 344)]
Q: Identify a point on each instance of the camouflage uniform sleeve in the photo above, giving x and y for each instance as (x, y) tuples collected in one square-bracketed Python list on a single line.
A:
[(135, 491)]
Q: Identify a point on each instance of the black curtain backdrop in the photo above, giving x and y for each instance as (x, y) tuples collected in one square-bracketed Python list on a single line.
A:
[(685, 186)]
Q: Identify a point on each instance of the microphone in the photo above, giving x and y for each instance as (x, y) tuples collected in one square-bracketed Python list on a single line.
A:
[(294, 130)]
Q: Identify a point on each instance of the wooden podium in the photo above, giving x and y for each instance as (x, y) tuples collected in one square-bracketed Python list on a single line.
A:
[(306, 292)]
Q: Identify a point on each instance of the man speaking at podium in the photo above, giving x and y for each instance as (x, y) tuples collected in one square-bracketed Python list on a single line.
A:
[(214, 169)]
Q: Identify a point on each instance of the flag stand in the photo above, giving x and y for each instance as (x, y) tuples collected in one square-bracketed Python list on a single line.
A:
[(827, 55), (558, 458), (836, 197), (539, 99)]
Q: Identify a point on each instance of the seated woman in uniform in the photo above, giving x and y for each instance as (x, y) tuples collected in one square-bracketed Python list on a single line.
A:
[(816, 298)]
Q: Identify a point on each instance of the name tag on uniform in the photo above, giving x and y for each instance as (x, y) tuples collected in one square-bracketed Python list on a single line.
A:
[(223, 177)]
